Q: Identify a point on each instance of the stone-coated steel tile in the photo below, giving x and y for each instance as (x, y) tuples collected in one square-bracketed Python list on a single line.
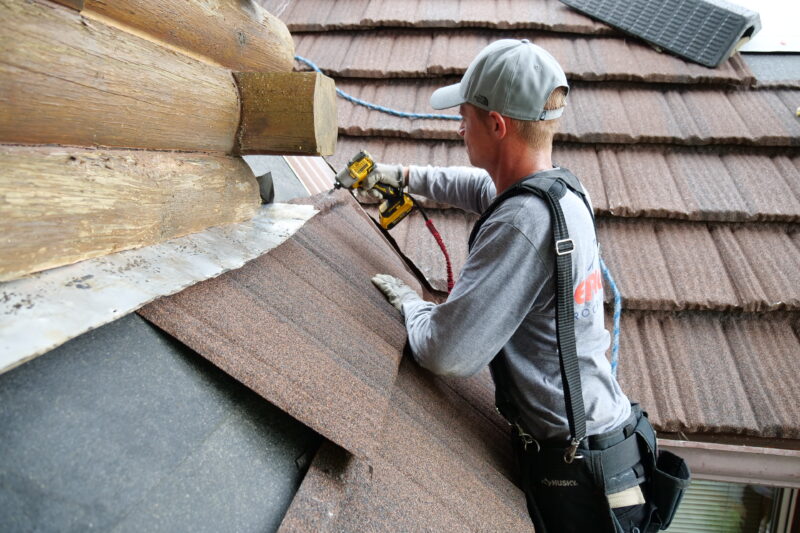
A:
[(303, 323), (583, 161), (745, 281), (306, 15), (789, 168), (762, 185), (635, 258), (425, 53), (706, 373), (326, 486), (714, 266), (768, 114), (436, 431), (706, 184), (596, 113), (711, 388), (766, 356), (774, 259), (638, 181), (645, 370), (696, 270), (314, 14)]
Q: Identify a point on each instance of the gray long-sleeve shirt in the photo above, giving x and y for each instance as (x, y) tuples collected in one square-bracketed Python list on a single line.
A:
[(505, 298)]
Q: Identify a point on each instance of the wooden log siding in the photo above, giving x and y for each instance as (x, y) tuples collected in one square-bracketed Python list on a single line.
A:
[(74, 4), (61, 205), (237, 34), (287, 113), (65, 79)]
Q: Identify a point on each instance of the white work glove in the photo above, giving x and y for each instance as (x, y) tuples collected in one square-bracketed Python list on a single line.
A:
[(389, 174), (395, 290)]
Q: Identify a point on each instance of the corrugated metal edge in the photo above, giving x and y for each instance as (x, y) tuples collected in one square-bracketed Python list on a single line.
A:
[(42, 312), (313, 172)]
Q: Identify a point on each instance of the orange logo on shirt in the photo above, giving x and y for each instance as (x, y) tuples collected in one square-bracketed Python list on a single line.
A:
[(587, 289)]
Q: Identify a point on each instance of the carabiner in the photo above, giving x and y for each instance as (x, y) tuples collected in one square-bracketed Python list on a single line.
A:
[(527, 439), (570, 454)]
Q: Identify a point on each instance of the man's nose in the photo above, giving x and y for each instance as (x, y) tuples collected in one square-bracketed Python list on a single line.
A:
[(461, 128)]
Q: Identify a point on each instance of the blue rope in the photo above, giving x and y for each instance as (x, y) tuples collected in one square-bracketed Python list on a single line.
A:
[(617, 315), (396, 113), (376, 107)]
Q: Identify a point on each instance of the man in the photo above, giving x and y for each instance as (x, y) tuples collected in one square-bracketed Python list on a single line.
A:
[(502, 309)]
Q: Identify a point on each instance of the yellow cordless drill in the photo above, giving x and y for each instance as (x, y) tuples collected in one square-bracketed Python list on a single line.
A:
[(396, 203)]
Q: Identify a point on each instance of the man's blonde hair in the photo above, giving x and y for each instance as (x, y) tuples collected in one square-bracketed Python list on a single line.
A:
[(539, 134)]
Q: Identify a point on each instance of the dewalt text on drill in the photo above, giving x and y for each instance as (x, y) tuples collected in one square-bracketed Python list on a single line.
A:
[(396, 203)]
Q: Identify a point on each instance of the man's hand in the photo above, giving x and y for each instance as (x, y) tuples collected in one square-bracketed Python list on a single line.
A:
[(395, 290), (389, 174)]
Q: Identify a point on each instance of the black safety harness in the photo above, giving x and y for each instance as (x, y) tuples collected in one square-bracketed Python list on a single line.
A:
[(551, 186), (668, 474)]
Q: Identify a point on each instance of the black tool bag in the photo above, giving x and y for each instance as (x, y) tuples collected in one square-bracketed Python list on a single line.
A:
[(566, 484)]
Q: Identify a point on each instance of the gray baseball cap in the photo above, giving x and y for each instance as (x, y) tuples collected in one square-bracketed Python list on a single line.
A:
[(514, 78)]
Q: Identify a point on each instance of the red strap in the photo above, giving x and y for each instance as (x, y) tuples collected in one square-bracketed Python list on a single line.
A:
[(439, 241)]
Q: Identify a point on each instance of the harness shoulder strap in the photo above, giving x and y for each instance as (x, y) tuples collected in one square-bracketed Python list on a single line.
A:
[(551, 188)]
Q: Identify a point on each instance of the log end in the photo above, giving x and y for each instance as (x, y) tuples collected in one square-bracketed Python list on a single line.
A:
[(325, 115), (286, 113)]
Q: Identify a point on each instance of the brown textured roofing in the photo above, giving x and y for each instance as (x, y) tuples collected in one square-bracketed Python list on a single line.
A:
[(421, 54), (702, 373), (303, 326), (313, 15), (442, 464), (671, 265), (598, 113)]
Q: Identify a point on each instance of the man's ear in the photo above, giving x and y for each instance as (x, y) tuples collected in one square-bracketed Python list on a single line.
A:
[(499, 124)]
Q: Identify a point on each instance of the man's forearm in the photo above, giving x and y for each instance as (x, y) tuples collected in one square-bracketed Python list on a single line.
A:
[(469, 188)]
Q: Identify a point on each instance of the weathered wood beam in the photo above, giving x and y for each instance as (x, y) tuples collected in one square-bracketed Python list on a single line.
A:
[(237, 34), (287, 113), (66, 79), (61, 205)]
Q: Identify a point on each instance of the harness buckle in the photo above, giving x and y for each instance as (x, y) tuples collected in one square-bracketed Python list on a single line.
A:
[(570, 454), (565, 246)]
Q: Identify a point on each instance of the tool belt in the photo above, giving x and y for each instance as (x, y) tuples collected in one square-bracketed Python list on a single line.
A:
[(578, 496), (569, 484)]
